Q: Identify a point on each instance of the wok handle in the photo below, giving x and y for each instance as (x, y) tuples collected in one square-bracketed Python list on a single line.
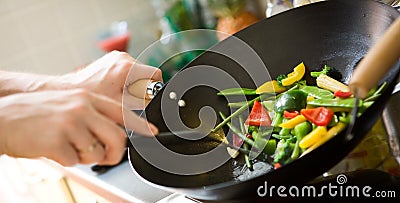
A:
[(145, 88), (377, 62)]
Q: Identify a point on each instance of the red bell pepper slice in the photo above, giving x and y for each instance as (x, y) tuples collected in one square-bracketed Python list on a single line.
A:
[(342, 94), (320, 116), (277, 165), (258, 116), (289, 115)]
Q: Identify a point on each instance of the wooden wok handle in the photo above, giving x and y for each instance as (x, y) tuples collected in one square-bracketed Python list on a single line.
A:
[(377, 62), (144, 88)]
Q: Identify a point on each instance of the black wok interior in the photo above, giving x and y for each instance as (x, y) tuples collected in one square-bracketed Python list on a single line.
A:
[(337, 33)]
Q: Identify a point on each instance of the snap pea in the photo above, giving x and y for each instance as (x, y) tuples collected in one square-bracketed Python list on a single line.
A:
[(234, 114), (345, 103), (237, 91), (317, 92)]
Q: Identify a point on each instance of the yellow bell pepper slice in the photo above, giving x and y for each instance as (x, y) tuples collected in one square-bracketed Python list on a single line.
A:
[(270, 87), (331, 133), (293, 122), (313, 137), (296, 75)]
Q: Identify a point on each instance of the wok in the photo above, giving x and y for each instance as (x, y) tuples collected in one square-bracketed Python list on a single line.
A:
[(337, 33)]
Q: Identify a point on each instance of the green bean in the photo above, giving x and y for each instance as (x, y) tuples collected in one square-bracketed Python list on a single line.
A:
[(247, 158), (237, 91), (241, 123), (237, 104), (237, 131), (296, 151), (281, 137), (234, 114), (375, 94)]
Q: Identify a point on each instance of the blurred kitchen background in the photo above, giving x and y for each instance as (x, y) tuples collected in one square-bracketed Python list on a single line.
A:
[(55, 37)]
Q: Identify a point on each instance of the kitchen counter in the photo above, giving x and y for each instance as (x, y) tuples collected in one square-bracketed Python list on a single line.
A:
[(118, 184)]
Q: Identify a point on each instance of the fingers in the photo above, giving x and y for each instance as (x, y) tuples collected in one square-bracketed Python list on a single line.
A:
[(113, 110), (142, 71), (134, 103), (88, 147), (66, 155), (107, 107), (139, 125), (111, 137)]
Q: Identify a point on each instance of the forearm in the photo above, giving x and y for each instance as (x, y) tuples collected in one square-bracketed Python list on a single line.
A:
[(15, 82)]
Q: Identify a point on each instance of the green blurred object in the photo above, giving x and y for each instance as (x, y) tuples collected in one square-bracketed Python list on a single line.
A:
[(185, 14), (176, 47), (223, 8)]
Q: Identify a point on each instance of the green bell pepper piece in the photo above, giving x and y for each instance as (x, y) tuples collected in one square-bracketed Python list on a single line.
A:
[(302, 130), (293, 100)]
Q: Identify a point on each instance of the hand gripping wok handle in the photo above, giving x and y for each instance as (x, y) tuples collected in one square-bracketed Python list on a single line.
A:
[(145, 88), (377, 62)]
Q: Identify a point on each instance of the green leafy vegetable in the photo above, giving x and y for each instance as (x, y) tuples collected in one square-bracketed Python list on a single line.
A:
[(280, 78), (324, 71)]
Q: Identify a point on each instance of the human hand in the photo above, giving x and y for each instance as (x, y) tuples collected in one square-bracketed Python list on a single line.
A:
[(108, 74), (70, 127)]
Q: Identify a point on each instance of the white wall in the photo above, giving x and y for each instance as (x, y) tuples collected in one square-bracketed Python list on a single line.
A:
[(55, 36)]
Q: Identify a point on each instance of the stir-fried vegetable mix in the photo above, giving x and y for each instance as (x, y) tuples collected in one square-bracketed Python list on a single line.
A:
[(290, 118)]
